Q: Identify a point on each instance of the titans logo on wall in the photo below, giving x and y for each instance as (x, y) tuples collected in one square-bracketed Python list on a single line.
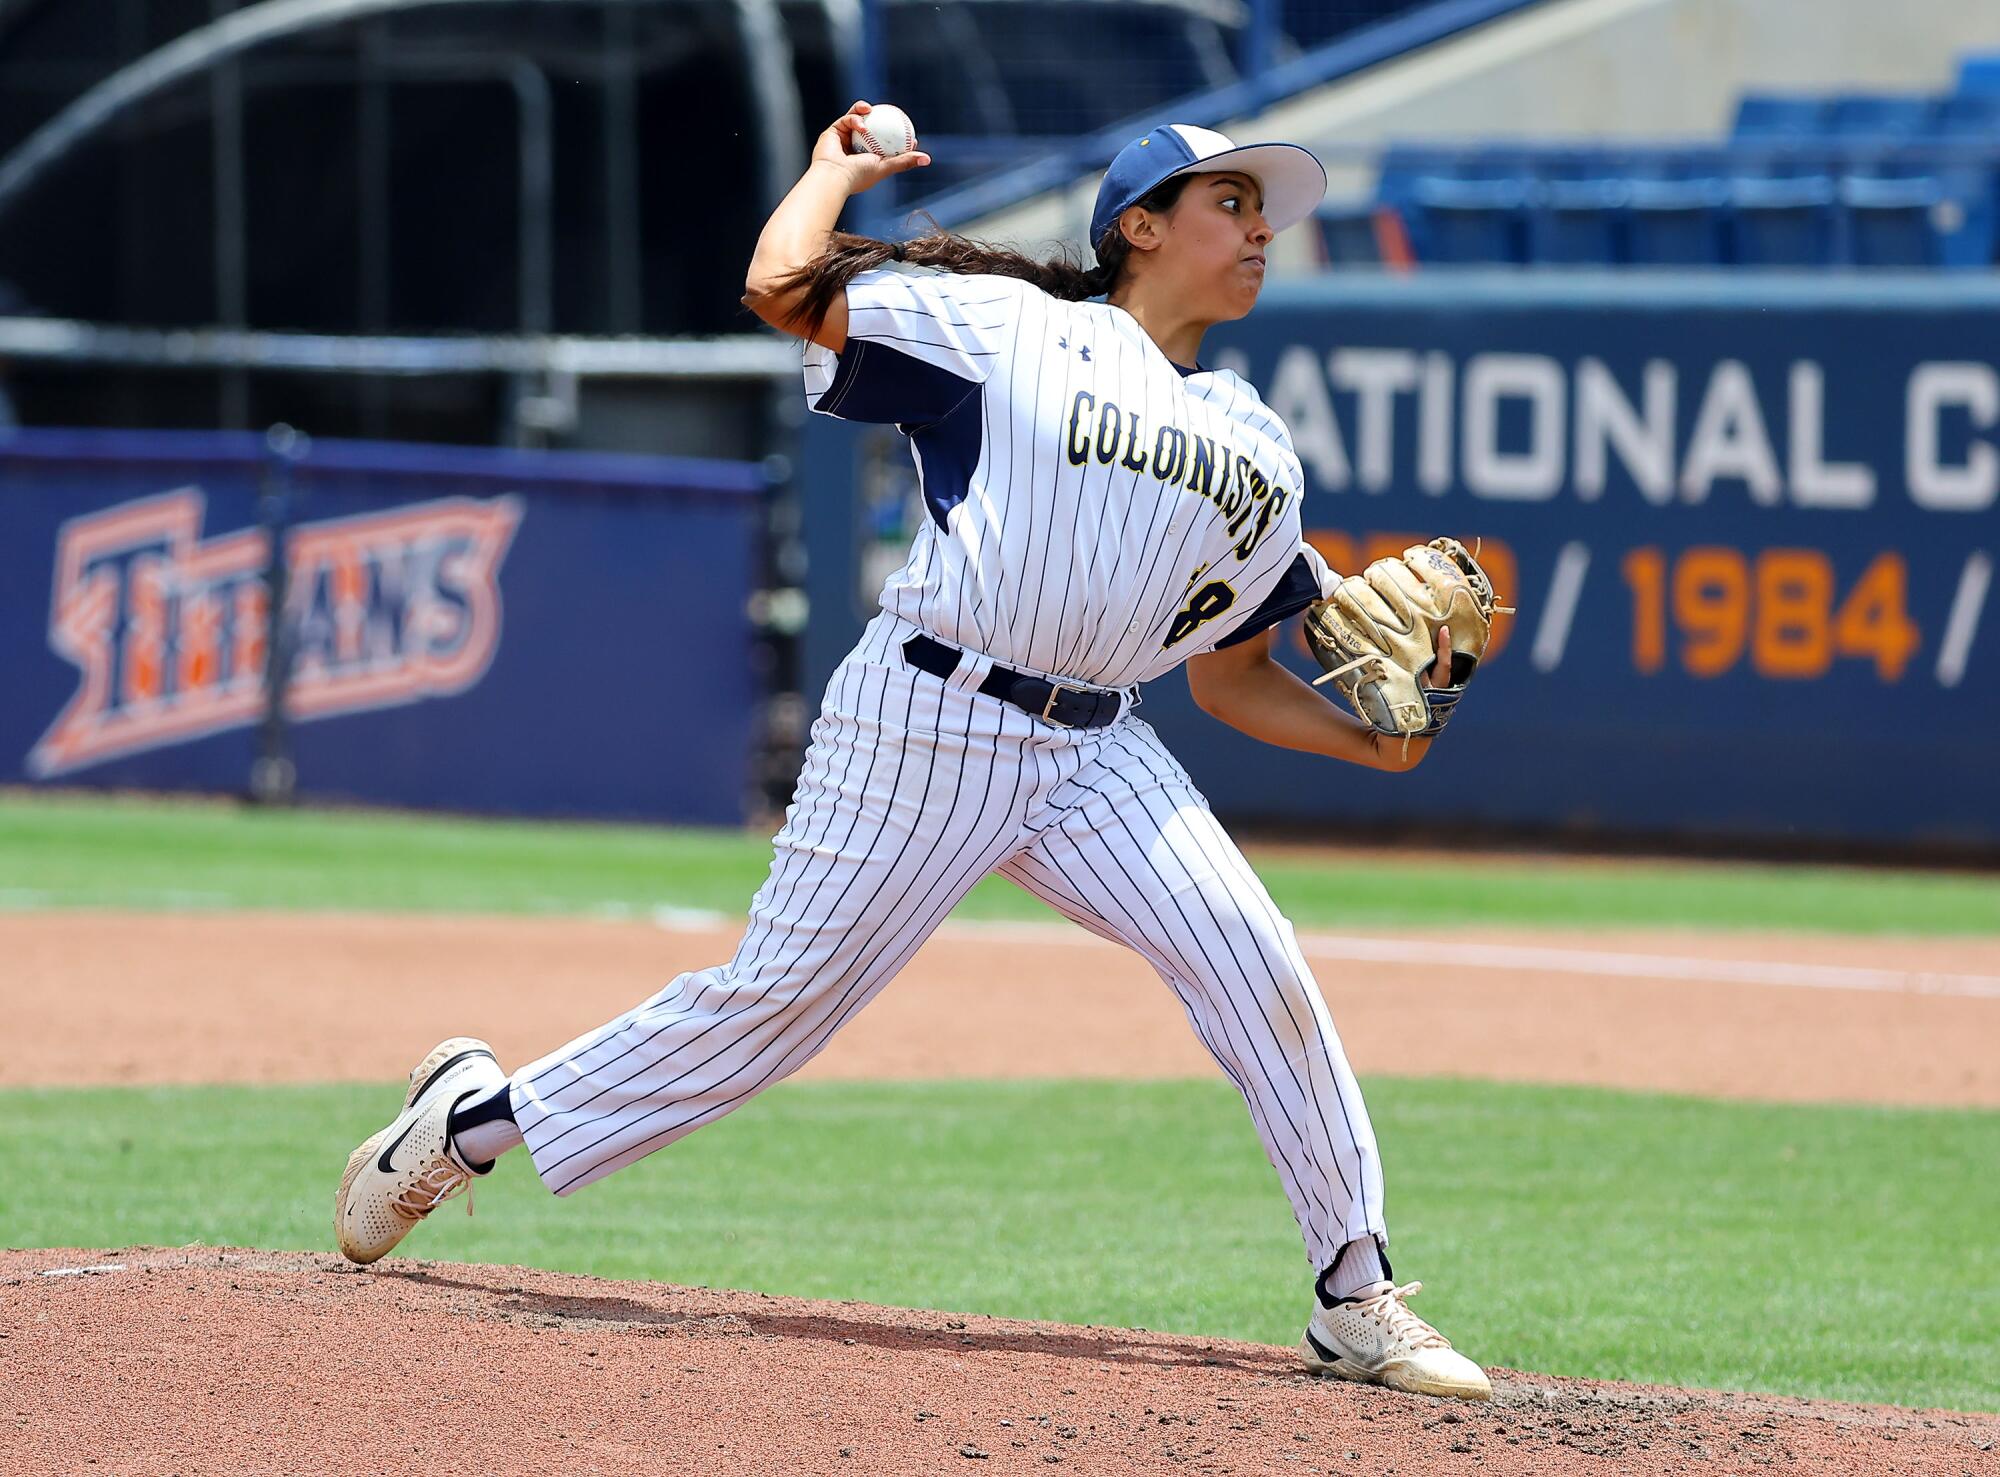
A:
[(168, 630)]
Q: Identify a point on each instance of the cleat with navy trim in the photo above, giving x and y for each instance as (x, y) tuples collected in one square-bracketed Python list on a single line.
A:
[(1376, 1339), (409, 1169)]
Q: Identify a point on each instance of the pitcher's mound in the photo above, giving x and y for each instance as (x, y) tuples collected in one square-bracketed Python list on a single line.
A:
[(224, 1361)]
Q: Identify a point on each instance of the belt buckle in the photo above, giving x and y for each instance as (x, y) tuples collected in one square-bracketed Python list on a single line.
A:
[(1056, 690)]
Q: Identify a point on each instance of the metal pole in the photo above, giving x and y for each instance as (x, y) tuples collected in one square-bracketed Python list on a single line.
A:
[(874, 211), (133, 248), (625, 301), (536, 231), (232, 288), (767, 62), (373, 224), (273, 775), (871, 71), (538, 172), (1260, 38)]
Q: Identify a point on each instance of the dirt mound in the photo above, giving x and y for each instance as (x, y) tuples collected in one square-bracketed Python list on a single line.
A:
[(221, 1361)]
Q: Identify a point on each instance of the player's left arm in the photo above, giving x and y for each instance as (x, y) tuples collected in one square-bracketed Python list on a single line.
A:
[(1245, 686)]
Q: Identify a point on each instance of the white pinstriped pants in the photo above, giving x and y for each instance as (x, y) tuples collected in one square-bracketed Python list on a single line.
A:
[(913, 789)]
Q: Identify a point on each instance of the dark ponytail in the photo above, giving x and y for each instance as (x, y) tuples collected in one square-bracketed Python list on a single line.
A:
[(846, 256)]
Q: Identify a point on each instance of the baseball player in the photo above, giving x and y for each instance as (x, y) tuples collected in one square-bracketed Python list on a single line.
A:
[(1101, 509)]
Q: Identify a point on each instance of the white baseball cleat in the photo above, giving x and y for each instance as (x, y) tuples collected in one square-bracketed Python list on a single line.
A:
[(1378, 1340), (408, 1170)]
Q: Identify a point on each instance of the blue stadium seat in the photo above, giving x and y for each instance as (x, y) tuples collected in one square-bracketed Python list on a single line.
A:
[(1766, 115), (1577, 221), (1500, 162), (1880, 115), (1573, 162), (1781, 160), (1782, 222), (1460, 221), (1908, 181), (1347, 232), (1979, 72), (1889, 220), (1675, 222), (1968, 115), (1967, 219), (1406, 162), (1402, 165)]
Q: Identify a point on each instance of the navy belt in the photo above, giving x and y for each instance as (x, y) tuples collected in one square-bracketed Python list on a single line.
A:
[(1053, 702)]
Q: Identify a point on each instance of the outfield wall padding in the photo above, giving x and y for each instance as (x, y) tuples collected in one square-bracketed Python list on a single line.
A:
[(1750, 523), (479, 630)]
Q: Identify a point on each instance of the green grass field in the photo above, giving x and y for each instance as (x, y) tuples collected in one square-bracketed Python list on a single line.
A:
[(89, 852), (1833, 1251), (1839, 1252)]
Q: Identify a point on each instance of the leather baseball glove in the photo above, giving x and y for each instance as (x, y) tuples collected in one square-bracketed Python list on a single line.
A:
[(1377, 634)]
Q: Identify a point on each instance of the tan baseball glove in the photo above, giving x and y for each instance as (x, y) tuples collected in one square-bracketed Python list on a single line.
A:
[(1377, 634)]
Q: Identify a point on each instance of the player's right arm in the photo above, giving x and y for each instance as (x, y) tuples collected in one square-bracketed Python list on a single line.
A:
[(798, 229), (1246, 687)]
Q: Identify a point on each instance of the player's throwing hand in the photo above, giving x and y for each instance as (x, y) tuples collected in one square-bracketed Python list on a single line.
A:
[(864, 169)]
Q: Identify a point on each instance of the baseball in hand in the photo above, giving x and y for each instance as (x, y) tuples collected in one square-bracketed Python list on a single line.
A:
[(885, 132)]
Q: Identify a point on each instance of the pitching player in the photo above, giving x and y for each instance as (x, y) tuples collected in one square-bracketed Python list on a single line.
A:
[(1102, 509)]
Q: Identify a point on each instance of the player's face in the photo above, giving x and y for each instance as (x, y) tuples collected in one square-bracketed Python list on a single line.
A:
[(1215, 244)]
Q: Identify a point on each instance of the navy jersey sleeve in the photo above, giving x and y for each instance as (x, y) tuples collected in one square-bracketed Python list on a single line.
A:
[(918, 343), (1296, 588)]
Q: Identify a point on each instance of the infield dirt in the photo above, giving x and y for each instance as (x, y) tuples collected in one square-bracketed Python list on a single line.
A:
[(219, 1361), (97, 998)]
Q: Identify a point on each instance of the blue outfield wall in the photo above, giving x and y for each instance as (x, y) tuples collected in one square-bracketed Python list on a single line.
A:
[(474, 630), (1750, 525)]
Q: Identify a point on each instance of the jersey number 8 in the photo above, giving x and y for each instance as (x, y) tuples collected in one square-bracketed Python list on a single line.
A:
[(1203, 606)]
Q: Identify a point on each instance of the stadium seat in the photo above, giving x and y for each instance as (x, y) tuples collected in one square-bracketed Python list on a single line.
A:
[(1765, 115), (1967, 219), (1787, 159), (1347, 232), (1782, 222), (1407, 162), (1880, 115), (1968, 115), (1889, 220), (1577, 221), (1460, 221), (1979, 72), (1403, 165), (1675, 222), (1675, 162)]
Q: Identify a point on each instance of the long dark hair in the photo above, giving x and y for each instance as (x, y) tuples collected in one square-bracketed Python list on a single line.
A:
[(1063, 275)]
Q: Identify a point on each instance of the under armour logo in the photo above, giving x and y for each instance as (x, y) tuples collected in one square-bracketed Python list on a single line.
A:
[(1083, 349)]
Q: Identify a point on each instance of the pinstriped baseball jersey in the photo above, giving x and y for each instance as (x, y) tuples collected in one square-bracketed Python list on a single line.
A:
[(1097, 512), (1098, 515)]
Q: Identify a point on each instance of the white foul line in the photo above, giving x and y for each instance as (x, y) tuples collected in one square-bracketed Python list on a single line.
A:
[(1963, 622), (1552, 634), (1650, 966), (1527, 958)]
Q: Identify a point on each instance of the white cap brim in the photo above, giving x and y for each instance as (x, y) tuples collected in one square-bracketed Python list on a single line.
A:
[(1294, 181)]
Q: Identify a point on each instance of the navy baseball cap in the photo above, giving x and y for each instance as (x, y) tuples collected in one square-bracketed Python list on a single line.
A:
[(1294, 181)]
